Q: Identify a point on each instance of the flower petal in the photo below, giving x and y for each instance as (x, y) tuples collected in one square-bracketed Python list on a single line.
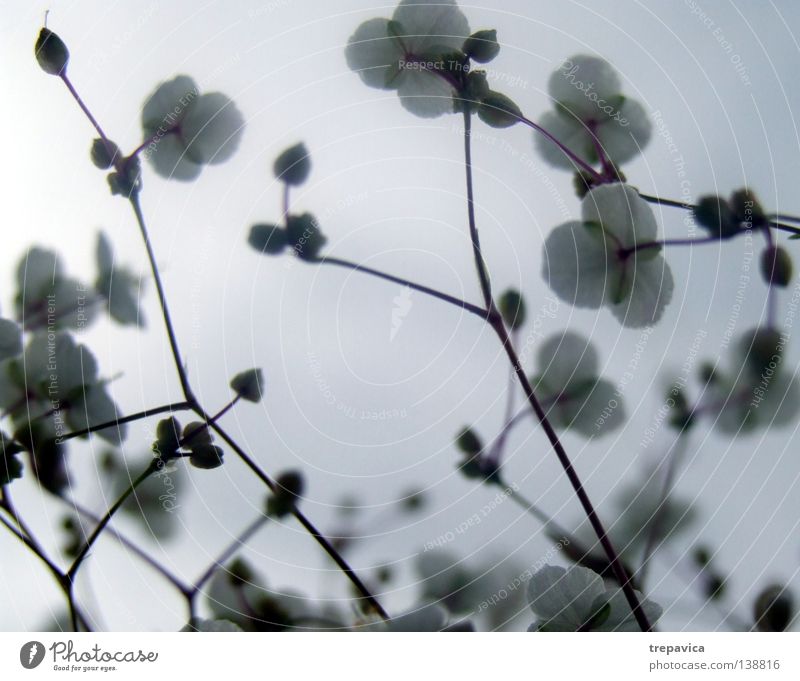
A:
[(169, 159), (580, 82), (212, 128), (621, 143), (10, 339), (568, 130), (592, 412), (621, 616), (168, 104), (576, 265), (650, 292), (431, 23), (563, 598), (567, 360), (425, 94), (373, 54), (623, 214)]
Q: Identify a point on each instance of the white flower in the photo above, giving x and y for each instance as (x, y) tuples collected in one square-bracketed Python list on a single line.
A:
[(58, 376), (46, 297), (757, 391), (594, 262), (576, 599), (408, 54), (188, 130), (119, 286), (589, 105), (569, 386)]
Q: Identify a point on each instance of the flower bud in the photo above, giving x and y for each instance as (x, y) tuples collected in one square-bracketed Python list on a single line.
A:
[(249, 385), (469, 442), (482, 46), (288, 489), (747, 210), (293, 165), (512, 307), (269, 239), (206, 457), (51, 53), (773, 609), (104, 153), (304, 236), (714, 214), (498, 111), (776, 266)]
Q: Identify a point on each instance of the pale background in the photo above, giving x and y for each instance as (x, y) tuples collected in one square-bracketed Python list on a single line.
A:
[(389, 191)]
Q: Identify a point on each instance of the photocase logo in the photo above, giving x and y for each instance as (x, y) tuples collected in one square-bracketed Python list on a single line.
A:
[(402, 306), (31, 654)]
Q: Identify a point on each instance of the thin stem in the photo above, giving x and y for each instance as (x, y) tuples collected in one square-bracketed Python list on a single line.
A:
[(782, 217), (110, 147), (162, 299), (210, 422), (342, 564), (774, 220), (598, 177), (151, 468), (127, 543), (228, 552), (495, 319), (772, 300), (550, 526), (480, 265), (617, 568), (286, 190), (469, 307), (177, 406), (663, 243), (656, 526)]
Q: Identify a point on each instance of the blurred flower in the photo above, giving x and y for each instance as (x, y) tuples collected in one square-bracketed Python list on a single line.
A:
[(187, 130), (595, 262), (590, 111), (569, 385), (411, 53), (576, 599)]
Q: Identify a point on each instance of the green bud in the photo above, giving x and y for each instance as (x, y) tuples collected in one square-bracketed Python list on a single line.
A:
[(598, 619), (776, 266), (51, 53), (482, 46), (707, 372), (762, 349), (512, 307), (240, 572), (774, 609), (714, 214), (498, 111), (269, 239), (293, 166), (127, 181), (206, 457), (288, 489), (747, 210), (167, 438), (104, 154), (469, 442), (249, 385), (715, 587), (701, 556), (413, 501), (304, 236)]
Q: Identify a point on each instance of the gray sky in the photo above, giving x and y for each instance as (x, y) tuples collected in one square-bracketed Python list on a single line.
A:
[(389, 191)]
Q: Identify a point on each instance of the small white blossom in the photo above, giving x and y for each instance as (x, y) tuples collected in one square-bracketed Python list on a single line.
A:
[(188, 130), (409, 53), (590, 110), (575, 599), (570, 387), (593, 263)]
